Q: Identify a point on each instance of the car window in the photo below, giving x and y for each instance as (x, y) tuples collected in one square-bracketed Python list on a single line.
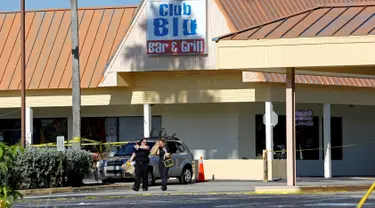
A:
[(128, 149), (172, 147), (180, 147)]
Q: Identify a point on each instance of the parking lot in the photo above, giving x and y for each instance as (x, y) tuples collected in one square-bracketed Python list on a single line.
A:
[(200, 200)]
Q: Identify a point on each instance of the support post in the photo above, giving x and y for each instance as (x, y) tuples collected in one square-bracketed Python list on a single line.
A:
[(291, 127), (29, 126), (23, 76), (327, 140), (265, 166), (76, 80), (269, 130), (147, 120)]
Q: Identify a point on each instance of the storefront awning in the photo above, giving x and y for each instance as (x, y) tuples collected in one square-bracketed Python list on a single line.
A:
[(324, 36), (265, 77)]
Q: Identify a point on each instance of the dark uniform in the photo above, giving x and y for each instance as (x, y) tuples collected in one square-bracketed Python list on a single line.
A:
[(141, 165), (162, 169)]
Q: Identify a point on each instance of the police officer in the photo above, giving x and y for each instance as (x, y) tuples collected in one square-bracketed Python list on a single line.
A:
[(142, 160), (164, 154)]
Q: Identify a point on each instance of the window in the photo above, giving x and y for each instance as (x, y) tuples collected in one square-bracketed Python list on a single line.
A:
[(336, 138), (172, 147), (100, 129), (307, 138), (180, 147), (128, 149), (47, 129), (10, 130)]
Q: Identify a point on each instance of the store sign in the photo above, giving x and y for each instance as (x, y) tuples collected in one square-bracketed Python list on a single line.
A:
[(60, 140), (176, 27), (304, 118)]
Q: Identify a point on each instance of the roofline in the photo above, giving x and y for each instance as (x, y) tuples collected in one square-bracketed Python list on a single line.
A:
[(229, 22), (318, 6), (130, 29), (68, 9)]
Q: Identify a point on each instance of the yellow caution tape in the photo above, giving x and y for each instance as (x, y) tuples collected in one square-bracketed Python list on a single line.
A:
[(320, 148), (77, 139)]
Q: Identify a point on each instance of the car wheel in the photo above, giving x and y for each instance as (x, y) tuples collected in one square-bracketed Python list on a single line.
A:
[(186, 176), (150, 178)]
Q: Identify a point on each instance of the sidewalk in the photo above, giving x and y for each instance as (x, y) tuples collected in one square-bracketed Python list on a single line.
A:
[(213, 187)]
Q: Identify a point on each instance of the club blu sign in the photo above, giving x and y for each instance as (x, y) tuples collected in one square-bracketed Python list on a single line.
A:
[(176, 27)]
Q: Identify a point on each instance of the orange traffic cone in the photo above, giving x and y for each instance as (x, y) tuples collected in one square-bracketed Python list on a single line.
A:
[(201, 177)]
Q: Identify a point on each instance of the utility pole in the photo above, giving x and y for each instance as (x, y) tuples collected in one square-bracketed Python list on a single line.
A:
[(23, 79), (76, 79)]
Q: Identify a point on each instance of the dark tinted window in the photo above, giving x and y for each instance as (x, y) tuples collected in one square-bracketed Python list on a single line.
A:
[(307, 139), (180, 147), (128, 149), (336, 138), (172, 147)]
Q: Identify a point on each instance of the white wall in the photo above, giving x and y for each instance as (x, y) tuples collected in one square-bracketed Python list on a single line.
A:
[(226, 131), (210, 130)]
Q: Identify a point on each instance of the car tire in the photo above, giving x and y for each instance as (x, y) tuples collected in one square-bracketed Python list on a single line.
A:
[(151, 178), (186, 176)]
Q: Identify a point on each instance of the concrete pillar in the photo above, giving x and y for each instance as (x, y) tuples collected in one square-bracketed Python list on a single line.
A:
[(291, 126), (29, 126), (327, 140), (269, 130), (147, 120)]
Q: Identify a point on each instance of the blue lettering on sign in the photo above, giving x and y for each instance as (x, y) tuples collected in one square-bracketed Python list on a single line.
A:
[(174, 10), (187, 9), (163, 10), (161, 25), (193, 27), (177, 11), (175, 27)]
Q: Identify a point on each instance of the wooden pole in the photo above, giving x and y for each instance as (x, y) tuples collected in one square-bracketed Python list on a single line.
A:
[(23, 76), (76, 79)]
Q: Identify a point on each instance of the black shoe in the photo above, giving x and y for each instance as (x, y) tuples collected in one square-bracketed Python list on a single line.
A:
[(135, 189), (163, 188), (145, 189)]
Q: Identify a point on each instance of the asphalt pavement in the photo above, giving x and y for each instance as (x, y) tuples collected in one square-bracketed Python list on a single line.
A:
[(346, 200), (215, 194)]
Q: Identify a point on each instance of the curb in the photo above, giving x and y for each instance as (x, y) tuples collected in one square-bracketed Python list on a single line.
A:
[(312, 189), (45, 191), (103, 187), (275, 191), (29, 192)]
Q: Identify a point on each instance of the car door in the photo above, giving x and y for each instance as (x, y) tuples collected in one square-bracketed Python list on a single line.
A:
[(172, 147), (181, 156)]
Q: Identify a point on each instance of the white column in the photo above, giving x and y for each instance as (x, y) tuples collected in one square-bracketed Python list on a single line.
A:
[(29, 126), (269, 129), (147, 116), (327, 140)]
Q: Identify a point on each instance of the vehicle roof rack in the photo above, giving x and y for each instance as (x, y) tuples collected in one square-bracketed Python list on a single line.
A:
[(162, 134), (173, 137)]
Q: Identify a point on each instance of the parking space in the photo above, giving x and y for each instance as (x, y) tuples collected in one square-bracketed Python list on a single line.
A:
[(214, 201)]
